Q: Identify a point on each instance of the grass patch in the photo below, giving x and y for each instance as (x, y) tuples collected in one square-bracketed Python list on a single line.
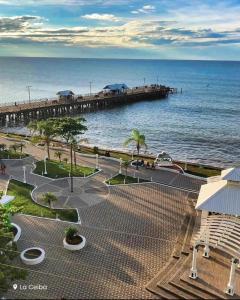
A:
[(23, 201), (203, 171), (8, 154), (55, 169), (119, 179)]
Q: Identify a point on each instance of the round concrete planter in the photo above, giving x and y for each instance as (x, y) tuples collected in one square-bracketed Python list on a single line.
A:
[(27, 259), (77, 247), (19, 232)]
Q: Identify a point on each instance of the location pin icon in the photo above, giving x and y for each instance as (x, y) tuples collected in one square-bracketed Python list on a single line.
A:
[(14, 286)]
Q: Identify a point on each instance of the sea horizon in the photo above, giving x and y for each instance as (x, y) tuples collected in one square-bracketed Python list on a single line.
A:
[(121, 58), (200, 125)]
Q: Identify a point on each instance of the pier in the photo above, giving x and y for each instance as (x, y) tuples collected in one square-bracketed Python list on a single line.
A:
[(22, 112)]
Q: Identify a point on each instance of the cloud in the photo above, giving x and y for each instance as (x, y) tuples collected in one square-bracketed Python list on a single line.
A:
[(101, 17), (63, 2), (146, 9), (135, 34), (18, 23)]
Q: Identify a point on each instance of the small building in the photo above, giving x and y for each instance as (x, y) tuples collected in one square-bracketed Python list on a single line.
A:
[(117, 88), (221, 194), (219, 203), (65, 95)]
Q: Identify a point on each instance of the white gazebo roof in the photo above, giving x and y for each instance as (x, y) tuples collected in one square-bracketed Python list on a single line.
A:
[(220, 197), (232, 174)]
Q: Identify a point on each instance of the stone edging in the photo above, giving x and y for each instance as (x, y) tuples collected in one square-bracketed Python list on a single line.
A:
[(35, 187)]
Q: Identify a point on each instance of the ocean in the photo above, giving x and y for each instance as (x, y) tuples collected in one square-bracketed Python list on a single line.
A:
[(201, 124)]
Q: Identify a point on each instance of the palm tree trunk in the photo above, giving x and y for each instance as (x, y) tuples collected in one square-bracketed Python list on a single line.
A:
[(71, 177), (75, 158), (48, 149), (138, 151)]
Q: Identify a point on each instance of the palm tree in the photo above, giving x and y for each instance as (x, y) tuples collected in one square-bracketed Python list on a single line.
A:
[(46, 131), (2, 147), (138, 139), (21, 146), (13, 147), (58, 154), (68, 128), (49, 198), (32, 127)]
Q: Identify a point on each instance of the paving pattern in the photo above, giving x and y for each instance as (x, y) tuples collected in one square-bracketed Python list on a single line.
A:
[(131, 231)]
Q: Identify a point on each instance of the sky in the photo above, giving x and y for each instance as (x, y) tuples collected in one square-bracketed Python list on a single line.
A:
[(156, 29)]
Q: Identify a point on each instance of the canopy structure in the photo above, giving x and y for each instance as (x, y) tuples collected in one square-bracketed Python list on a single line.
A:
[(117, 87), (66, 93), (232, 174), (221, 195)]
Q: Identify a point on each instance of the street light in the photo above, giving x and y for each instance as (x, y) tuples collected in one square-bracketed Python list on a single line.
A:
[(45, 165), (24, 174), (120, 166), (29, 92), (90, 87), (97, 165)]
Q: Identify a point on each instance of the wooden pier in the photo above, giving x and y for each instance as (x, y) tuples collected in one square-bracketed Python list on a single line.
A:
[(22, 113)]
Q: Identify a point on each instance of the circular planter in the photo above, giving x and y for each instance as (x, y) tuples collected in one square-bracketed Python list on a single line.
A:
[(75, 247), (32, 256), (17, 231)]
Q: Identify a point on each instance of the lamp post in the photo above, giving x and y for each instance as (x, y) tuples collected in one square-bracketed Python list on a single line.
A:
[(90, 88), (97, 165), (29, 92), (45, 165), (24, 174), (120, 166)]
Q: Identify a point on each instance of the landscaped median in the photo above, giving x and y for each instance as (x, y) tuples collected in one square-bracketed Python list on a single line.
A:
[(56, 169), (8, 154), (122, 179), (23, 201)]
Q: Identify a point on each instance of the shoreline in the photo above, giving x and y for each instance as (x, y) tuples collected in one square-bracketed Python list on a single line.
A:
[(197, 169)]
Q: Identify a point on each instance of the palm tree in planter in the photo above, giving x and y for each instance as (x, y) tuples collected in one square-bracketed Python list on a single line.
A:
[(58, 154), (73, 240), (138, 139), (65, 160), (13, 147), (21, 146), (2, 147), (49, 198)]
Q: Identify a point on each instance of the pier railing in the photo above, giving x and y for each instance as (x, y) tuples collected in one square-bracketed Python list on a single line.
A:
[(88, 96)]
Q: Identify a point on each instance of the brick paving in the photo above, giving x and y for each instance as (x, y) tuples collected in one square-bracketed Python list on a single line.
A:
[(131, 232), (130, 236)]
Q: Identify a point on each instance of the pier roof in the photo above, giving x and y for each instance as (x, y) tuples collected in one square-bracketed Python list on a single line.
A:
[(65, 93), (116, 87)]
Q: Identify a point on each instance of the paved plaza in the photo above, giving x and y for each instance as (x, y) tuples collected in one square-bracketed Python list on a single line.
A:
[(131, 231)]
